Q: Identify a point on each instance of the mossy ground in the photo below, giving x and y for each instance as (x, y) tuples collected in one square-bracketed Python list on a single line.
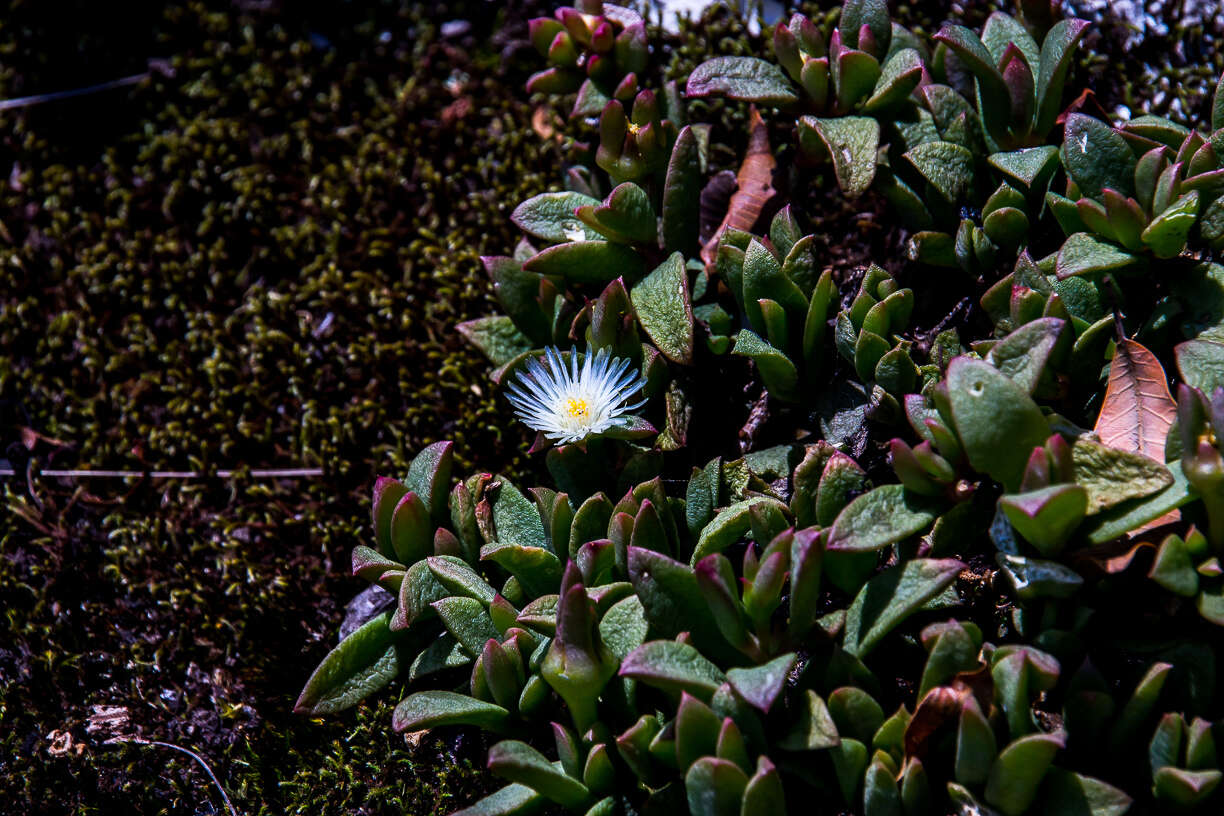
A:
[(253, 258)]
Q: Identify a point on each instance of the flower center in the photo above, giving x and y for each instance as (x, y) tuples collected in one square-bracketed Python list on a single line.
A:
[(577, 409)]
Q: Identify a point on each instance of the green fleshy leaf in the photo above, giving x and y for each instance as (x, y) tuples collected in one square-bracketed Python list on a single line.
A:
[(893, 595), (1113, 476), (764, 794), (623, 627), (764, 279), (418, 591), (1185, 789), (468, 622), (516, 519), (1166, 235), (1002, 30), (856, 713), (536, 568), (1131, 515), (854, 75), (429, 476), (850, 761), (681, 195), (1085, 254), (444, 653), (947, 167), (761, 685), (871, 13), (434, 709), (1217, 106), (1210, 603), (497, 338), (994, 99), (518, 292), (587, 262), (550, 217), (1046, 517), (625, 216), (512, 800), (729, 526), (779, 373), (541, 615), (851, 142), (1096, 157), (1201, 364), (784, 231), (411, 530), (363, 663), (1023, 354), (814, 728), (881, 794), (673, 603), (1070, 794), (673, 666), (714, 787), (518, 762), (665, 310), (898, 79), (458, 576), (1016, 774), (1057, 50), (998, 424), (747, 79), (590, 522), (1173, 568), (881, 517), (975, 745)]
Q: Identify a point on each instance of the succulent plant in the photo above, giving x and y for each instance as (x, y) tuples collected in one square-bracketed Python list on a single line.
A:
[(595, 48), (867, 68), (1016, 84), (910, 626)]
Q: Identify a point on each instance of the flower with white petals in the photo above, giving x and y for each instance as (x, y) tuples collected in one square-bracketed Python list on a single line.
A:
[(569, 404)]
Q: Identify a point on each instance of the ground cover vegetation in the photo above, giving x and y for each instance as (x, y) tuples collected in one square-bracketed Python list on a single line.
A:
[(898, 541), (907, 524)]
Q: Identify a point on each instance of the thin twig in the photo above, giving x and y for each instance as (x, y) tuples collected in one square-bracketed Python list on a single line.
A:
[(142, 741), (38, 99), (283, 473)]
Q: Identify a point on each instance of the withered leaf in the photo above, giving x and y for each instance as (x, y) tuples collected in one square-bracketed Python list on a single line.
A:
[(940, 705), (1138, 408), (755, 179)]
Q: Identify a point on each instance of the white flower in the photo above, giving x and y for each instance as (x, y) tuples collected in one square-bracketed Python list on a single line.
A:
[(568, 405)]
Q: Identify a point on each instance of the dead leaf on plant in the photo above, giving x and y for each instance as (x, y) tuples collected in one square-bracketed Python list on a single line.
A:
[(755, 180)]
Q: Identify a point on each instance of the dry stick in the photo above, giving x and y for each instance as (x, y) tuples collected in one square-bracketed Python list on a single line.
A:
[(283, 473), (142, 741), (37, 99)]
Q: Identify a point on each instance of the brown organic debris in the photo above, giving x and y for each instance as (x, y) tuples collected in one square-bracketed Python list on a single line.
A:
[(1138, 408), (755, 180)]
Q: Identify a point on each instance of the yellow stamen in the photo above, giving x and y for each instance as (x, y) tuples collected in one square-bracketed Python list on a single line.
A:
[(577, 408)]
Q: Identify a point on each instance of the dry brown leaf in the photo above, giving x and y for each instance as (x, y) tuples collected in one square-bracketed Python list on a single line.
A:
[(941, 705), (1138, 408), (755, 180), (1113, 557), (545, 122)]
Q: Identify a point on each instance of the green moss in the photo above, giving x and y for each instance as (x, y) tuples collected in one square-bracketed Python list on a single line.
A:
[(254, 258)]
